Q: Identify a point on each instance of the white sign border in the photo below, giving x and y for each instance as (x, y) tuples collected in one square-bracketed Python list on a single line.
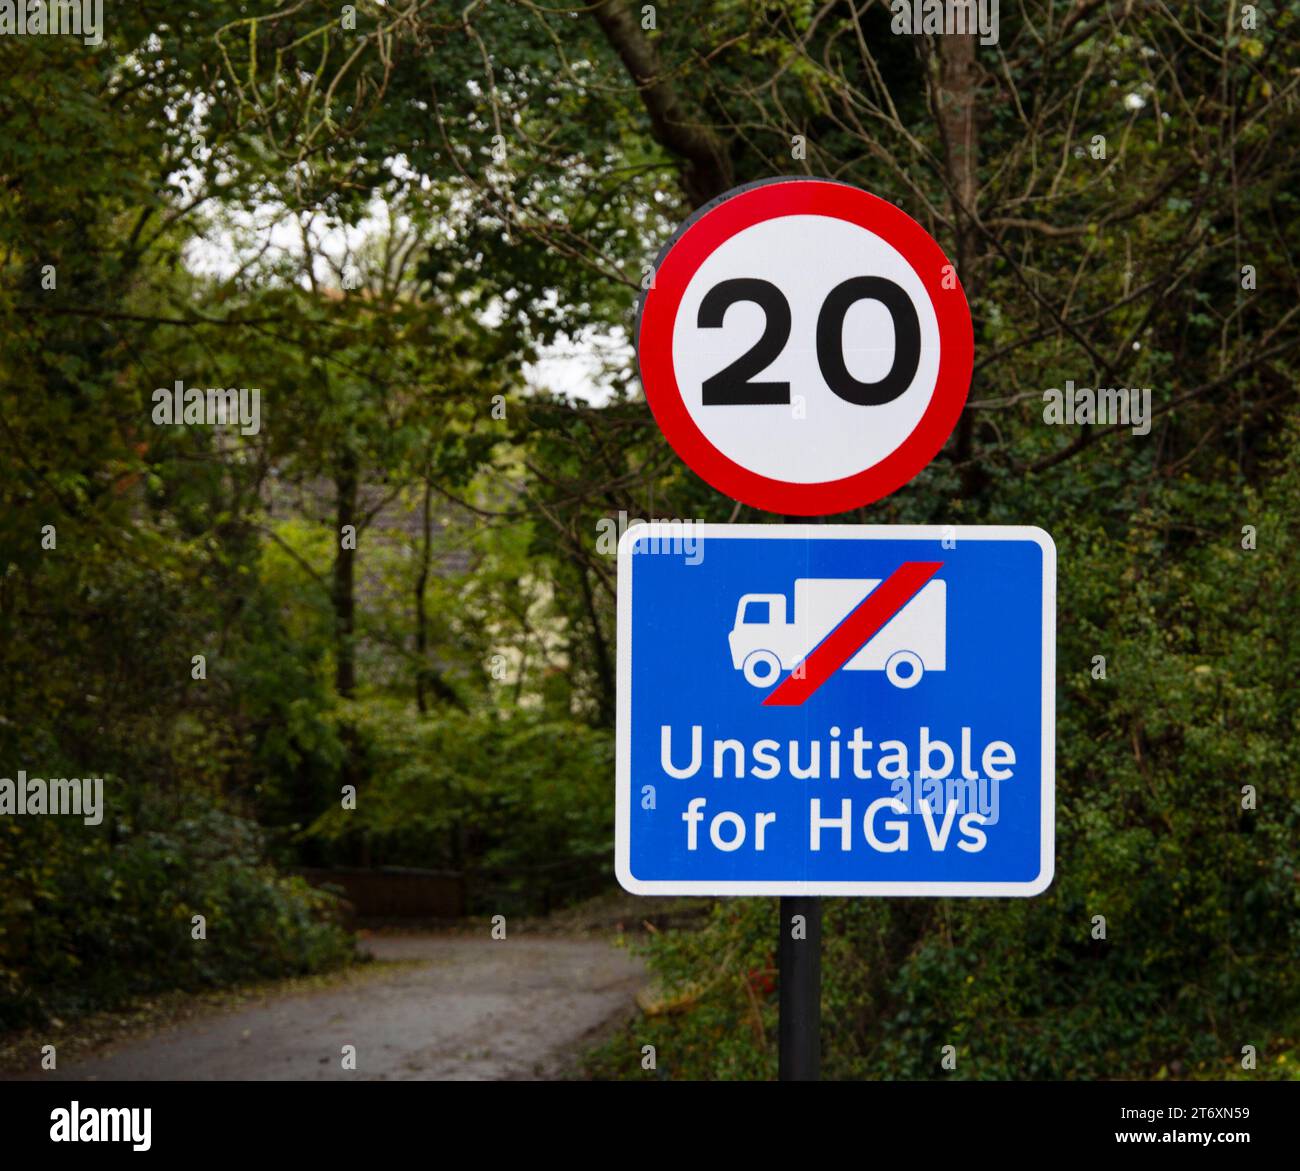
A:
[(623, 741)]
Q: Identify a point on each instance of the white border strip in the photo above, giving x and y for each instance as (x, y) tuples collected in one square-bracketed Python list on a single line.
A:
[(623, 751)]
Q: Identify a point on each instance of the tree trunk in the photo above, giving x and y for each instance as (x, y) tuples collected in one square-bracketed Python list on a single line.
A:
[(344, 597), (955, 98), (421, 617), (604, 670), (707, 172)]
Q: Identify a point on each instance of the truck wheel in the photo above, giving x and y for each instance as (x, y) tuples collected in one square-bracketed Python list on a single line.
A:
[(761, 668), (904, 669)]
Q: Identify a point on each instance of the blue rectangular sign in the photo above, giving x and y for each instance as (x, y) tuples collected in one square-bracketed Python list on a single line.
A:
[(835, 709)]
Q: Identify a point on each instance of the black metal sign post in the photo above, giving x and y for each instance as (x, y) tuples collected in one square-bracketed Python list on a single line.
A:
[(800, 959)]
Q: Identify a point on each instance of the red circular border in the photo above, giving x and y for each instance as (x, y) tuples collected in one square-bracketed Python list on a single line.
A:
[(743, 209)]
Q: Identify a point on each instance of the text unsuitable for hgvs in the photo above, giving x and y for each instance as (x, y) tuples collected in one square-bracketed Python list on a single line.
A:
[(945, 778)]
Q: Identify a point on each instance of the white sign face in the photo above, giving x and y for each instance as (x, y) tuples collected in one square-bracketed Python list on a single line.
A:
[(805, 346), (817, 435)]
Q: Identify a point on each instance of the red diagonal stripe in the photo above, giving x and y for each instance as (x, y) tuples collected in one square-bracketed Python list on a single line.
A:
[(862, 623)]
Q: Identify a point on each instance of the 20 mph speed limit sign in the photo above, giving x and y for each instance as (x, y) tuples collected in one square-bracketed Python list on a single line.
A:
[(805, 346)]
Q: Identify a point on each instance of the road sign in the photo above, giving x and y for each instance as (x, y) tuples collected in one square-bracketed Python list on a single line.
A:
[(805, 346), (835, 709)]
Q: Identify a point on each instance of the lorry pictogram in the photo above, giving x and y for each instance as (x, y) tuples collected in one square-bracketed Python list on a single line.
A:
[(764, 643)]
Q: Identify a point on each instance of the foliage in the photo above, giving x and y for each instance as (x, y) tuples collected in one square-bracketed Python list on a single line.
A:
[(520, 800), (91, 918), (501, 178)]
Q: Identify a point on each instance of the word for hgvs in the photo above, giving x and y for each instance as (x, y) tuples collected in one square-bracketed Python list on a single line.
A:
[(193, 406), (728, 831)]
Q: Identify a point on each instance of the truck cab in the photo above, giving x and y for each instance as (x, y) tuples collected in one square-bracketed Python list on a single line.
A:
[(762, 643)]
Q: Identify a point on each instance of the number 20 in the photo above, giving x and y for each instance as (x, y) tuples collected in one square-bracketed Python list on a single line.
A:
[(731, 386)]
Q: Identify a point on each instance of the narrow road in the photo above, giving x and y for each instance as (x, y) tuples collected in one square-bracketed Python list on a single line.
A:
[(458, 1008)]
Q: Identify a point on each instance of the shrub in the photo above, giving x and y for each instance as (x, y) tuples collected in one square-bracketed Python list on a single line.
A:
[(90, 917), (521, 801)]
